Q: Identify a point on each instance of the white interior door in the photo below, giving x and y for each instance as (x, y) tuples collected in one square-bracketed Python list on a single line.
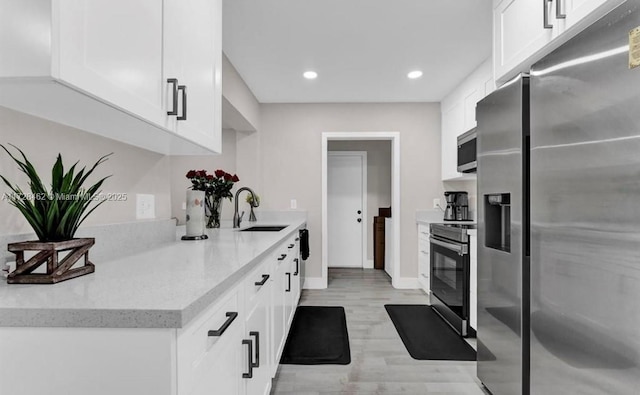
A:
[(346, 180)]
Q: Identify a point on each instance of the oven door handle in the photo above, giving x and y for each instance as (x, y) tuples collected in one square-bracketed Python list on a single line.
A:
[(461, 249)]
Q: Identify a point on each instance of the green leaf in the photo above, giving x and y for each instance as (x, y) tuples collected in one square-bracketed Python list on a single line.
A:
[(57, 215)]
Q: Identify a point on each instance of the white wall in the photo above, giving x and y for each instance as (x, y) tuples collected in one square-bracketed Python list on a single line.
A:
[(133, 170), (240, 109), (287, 157), (378, 178), (180, 165)]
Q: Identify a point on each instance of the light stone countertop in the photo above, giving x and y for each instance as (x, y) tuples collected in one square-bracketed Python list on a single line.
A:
[(164, 287)]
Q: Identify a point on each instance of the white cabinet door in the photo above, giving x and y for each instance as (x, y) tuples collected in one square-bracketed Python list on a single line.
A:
[(257, 332), (424, 259), (112, 50), (278, 314), (193, 55), (288, 293), (579, 10), (199, 350), (225, 369), (452, 126), (471, 98), (519, 32)]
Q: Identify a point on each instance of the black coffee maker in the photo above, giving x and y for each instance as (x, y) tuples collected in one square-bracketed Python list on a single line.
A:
[(457, 206)]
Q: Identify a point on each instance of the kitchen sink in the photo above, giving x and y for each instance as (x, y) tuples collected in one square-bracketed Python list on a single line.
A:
[(264, 228)]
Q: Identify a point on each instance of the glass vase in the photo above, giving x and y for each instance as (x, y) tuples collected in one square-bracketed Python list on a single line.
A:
[(213, 209)]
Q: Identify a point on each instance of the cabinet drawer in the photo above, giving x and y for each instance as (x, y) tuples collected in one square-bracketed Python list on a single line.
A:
[(287, 251), (195, 345), (258, 283), (424, 247), (423, 232)]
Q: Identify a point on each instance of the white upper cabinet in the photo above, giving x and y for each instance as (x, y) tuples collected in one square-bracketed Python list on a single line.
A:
[(459, 115), (193, 56), (103, 66), (518, 32), (526, 30), (112, 49)]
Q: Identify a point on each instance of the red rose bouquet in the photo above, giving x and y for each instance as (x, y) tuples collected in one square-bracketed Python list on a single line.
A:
[(216, 186)]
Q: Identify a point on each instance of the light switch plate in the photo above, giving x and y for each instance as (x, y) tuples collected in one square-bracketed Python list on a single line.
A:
[(436, 203), (294, 204), (145, 206)]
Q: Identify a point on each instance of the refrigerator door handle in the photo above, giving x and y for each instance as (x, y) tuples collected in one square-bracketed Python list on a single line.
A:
[(559, 14), (545, 14)]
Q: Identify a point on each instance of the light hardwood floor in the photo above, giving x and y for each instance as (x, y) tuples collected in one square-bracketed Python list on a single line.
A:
[(380, 364)]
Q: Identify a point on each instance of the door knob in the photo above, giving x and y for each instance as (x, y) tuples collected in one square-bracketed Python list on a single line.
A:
[(359, 219), (359, 212)]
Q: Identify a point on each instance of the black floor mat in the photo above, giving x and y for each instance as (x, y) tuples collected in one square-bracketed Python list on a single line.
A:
[(318, 336), (426, 336)]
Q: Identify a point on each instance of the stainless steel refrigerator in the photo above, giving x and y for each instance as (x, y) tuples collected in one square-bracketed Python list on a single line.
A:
[(559, 219)]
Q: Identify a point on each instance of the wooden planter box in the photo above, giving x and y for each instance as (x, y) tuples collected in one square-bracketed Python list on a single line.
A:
[(57, 270)]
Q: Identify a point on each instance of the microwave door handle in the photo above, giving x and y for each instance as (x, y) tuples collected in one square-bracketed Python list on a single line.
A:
[(461, 249)]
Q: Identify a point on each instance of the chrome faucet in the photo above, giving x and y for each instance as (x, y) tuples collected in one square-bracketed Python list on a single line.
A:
[(254, 202)]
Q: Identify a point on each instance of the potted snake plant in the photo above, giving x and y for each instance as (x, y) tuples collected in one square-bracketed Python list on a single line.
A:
[(55, 214)]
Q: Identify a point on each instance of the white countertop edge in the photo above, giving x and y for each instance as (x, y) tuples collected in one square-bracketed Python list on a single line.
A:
[(11, 316)]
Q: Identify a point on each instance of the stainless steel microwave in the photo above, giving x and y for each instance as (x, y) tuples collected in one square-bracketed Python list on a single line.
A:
[(467, 162)]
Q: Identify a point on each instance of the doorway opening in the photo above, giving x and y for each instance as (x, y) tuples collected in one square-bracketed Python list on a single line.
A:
[(338, 141), (347, 206)]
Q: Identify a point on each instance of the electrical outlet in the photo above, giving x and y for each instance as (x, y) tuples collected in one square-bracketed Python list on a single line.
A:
[(184, 205), (294, 204), (436, 203), (145, 206)]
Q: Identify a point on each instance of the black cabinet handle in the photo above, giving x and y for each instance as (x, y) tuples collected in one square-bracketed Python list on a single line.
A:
[(174, 83), (297, 238), (288, 282), (183, 89), (559, 14), (249, 374), (231, 316), (297, 261), (265, 277), (291, 246), (256, 364), (282, 256)]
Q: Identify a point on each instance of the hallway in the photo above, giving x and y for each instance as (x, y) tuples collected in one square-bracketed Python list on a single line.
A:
[(380, 364)]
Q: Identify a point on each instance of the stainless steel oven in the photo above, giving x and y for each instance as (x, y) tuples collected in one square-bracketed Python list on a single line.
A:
[(450, 273)]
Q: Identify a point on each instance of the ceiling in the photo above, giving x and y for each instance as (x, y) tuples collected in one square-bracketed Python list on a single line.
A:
[(362, 50)]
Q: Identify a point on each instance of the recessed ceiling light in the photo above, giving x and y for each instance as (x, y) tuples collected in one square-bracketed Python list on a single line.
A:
[(415, 74), (310, 75)]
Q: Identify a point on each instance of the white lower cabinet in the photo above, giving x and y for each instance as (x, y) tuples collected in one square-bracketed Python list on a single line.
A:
[(266, 302), (257, 336), (424, 258), (223, 371), (212, 337), (231, 348), (278, 313)]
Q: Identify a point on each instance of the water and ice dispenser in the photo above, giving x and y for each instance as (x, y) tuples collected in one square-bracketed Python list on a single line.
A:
[(497, 219)]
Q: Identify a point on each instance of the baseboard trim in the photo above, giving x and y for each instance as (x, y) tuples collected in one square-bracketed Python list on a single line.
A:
[(405, 283), (313, 283), (368, 264)]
